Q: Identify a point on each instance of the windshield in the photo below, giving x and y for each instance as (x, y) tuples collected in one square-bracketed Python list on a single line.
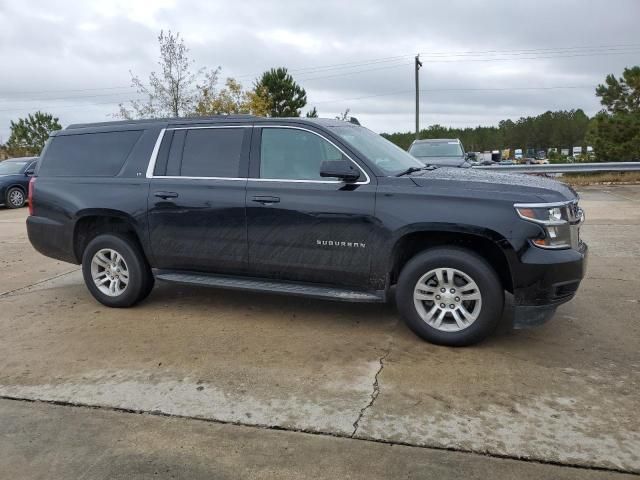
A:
[(437, 149), (388, 157), (11, 168)]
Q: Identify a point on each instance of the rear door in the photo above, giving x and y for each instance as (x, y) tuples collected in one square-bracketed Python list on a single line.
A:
[(197, 218), (301, 226)]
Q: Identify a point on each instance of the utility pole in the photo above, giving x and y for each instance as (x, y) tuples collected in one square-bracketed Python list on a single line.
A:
[(418, 64)]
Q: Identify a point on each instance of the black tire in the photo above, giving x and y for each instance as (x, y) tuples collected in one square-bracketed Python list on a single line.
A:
[(15, 198), (473, 266), (150, 281), (140, 280)]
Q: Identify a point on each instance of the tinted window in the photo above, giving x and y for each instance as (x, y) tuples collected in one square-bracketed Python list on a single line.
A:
[(436, 149), (160, 167), (11, 168), (212, 152), (294, 154), (387, 156), (88, 154)]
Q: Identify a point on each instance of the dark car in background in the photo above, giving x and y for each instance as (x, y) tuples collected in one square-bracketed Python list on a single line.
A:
[(442, 152), (15, 174)]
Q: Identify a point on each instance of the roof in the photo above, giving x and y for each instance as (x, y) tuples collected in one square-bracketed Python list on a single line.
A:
[(433, 140), (326, 122), (20, 159)]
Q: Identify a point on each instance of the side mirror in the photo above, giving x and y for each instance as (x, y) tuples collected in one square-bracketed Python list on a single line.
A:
[(342, 169), (30, 172)]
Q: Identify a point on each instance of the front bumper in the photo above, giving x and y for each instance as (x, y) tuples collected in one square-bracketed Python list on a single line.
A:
[(546, 279)]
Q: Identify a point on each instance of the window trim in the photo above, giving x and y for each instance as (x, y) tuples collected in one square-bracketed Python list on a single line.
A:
[(156, 148), (289, 180)]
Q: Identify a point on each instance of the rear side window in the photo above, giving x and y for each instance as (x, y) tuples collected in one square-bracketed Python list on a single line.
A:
[(88, 154), (212, 152)]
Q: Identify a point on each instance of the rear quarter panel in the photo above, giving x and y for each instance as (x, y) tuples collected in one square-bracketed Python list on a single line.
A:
[(60, 201)]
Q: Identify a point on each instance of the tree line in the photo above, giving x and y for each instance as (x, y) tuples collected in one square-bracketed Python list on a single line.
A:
[(178, 89), (614, 132), (564, 128)]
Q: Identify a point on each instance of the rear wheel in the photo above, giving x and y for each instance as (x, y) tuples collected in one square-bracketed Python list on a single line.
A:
[(450, 296), (115, 271), (15, 198)]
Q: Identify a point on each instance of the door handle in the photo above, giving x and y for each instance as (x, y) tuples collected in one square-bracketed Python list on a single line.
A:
[(265, 200), (165, 195)]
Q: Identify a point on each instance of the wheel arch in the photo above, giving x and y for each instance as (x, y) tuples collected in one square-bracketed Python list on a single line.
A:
[(489, 244), (92, 222), (16, 185), (6, 189)]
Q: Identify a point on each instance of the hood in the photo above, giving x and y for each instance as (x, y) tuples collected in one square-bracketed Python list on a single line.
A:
[(517, 187)]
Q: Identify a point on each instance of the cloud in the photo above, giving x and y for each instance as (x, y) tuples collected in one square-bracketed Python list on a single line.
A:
[(73, 58)]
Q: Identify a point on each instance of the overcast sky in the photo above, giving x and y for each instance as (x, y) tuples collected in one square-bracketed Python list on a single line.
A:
[(484, 60)]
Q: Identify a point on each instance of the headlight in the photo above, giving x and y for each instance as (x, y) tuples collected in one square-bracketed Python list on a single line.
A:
[(555, 219)]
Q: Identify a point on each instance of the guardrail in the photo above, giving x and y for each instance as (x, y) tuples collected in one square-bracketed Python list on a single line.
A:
[(566, 167)]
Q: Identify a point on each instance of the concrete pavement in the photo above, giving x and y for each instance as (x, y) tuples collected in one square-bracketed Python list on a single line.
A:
[(41, 441), (565, 393)]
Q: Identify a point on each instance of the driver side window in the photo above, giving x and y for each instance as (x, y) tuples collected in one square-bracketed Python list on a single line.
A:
[(292, 154)]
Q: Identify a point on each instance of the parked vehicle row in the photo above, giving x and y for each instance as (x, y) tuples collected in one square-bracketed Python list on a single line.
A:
[(309, 207)]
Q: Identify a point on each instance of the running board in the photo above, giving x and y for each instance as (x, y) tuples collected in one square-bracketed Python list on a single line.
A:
[(270, 286)]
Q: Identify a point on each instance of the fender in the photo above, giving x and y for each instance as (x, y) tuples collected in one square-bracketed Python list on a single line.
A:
[(384, 264)]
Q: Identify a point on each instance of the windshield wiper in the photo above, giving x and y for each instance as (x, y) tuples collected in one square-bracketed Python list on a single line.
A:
[(415, 169)]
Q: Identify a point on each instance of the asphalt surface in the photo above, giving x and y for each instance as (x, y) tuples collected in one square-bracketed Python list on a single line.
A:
[(252, 385)]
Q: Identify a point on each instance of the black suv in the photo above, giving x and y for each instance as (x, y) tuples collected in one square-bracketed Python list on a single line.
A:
[(312, 207)]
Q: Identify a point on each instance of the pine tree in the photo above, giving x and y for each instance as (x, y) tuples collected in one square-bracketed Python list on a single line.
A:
[(284, 96), (28, 135)]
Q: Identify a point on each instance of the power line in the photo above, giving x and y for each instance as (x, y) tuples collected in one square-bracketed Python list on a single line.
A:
[(554, 52), (316, 69), (394, 64), (532, 50), (398, 92), (534, 57), (404, 63), (432, 90), (35, 92), (73, 97), (57, 107)]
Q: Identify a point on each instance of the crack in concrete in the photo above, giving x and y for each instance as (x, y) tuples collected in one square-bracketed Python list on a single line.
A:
[(374, 394), (40, 282), (326, 434)]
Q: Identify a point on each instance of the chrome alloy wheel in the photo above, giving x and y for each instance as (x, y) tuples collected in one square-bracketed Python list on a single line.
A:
[(16, 197), (447, 299), (109, 272)]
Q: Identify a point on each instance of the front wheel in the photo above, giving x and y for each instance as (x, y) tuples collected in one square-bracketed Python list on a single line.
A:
[(450, 296), (115, 271)]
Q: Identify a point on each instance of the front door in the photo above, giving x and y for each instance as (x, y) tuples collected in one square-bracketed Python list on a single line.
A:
[(301, 226), (197, 218)]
